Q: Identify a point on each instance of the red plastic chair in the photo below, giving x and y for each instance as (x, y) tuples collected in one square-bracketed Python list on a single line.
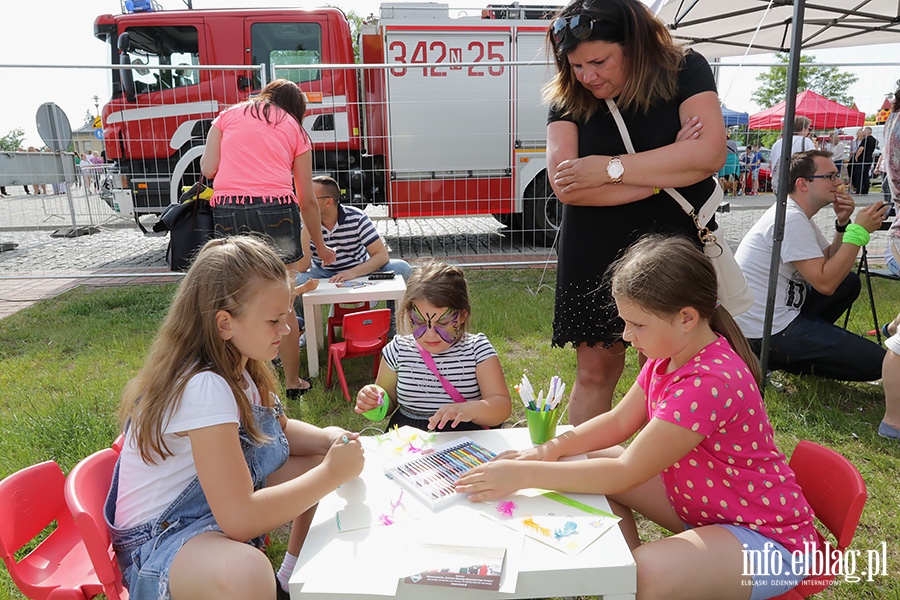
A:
[(337, 319), (86, 490), (118, 443), (365, 334), (59, 567), (837, 494)]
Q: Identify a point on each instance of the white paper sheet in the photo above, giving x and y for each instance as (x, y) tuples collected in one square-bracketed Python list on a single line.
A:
[(563, 527)]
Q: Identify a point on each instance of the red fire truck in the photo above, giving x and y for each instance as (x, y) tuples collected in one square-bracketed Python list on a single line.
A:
[(445, 126)]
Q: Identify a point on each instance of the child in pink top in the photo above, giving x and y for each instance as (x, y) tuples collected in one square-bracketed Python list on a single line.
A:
[(703, 463)]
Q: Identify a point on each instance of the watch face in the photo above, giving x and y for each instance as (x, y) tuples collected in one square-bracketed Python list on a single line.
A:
[(615, 169)]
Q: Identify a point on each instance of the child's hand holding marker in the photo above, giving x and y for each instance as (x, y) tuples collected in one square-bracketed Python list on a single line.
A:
[(369, 397)]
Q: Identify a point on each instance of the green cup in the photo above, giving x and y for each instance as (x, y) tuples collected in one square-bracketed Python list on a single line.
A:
[(380, 411), (541, 425)]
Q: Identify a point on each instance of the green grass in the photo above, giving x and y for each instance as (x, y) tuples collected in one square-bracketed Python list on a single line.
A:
[(64, 362)]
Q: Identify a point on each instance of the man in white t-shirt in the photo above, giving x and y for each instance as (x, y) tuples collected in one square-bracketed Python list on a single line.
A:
[(815, 284), (800, 143)]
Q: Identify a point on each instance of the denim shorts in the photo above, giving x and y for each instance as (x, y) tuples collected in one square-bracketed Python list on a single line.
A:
[(145, 552), (779, 560), (278, 222)]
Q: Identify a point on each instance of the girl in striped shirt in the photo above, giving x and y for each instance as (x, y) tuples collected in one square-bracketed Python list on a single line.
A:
[(436, 374)]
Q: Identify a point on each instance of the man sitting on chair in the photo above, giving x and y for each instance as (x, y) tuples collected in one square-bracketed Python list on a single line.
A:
[(360, 250), (815, 284)]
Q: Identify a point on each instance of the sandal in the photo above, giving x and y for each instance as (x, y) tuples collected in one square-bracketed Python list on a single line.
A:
[(295, 393)]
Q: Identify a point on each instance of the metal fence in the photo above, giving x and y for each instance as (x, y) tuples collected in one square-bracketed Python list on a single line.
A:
[(448, 160)]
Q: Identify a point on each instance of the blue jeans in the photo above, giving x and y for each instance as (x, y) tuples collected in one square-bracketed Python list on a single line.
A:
[(813, 345), (145, 552), (889, 259)]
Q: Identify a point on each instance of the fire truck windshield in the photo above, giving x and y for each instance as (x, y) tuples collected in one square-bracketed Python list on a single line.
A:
[(165, 54)]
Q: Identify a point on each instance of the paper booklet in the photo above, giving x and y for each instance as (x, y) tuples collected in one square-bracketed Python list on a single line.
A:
[(471, 567)]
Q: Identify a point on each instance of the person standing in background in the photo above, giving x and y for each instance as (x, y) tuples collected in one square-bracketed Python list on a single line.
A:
[(261, 159), (667, 97), (799, 143), (836, 147), (864, 160)]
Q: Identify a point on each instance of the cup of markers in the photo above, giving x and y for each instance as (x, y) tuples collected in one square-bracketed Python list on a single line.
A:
[(380, 411), (541, 413)]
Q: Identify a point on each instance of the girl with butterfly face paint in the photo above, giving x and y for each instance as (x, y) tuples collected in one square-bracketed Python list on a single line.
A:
[(436, 374)]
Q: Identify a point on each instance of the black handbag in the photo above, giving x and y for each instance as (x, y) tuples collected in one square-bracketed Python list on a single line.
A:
[(190, 226)]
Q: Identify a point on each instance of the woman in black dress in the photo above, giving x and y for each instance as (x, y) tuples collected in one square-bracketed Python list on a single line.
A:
[(617, 49)]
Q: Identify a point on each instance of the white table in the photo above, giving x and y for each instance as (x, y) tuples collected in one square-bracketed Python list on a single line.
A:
[(330, 293), (606, 568)]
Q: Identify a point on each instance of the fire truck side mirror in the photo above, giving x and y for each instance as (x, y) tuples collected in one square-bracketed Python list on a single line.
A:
[(126, 75), (243, 83)]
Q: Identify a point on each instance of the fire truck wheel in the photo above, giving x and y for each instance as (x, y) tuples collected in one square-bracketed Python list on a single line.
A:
[(543, 211)]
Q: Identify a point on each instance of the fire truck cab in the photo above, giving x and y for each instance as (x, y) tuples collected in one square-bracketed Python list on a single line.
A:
[(444, 126)]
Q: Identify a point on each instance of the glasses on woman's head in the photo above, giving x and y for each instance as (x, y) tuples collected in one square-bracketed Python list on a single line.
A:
[(579, 26)]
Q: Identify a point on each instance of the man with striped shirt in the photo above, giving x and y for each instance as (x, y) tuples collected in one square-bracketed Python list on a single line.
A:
[(352, 235)]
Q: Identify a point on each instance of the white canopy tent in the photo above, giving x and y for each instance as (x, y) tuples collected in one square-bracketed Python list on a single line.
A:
[(718, 28)]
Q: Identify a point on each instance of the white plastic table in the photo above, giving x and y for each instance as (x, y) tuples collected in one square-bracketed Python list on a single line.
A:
[(606, 568), (330, 293)]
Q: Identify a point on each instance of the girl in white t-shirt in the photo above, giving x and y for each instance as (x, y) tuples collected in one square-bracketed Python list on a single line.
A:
[(437, 374), (210, 462)]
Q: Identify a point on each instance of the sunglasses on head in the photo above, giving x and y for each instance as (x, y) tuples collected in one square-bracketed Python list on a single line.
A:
[(578, 26)]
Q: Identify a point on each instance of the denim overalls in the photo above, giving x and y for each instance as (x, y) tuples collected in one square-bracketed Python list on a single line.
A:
[(146, 552)]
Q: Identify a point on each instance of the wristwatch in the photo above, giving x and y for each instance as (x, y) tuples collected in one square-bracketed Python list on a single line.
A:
[(615, 170), (840, 228)]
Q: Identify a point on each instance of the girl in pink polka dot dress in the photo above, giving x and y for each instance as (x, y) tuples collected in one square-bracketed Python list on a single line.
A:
[(703, 464)]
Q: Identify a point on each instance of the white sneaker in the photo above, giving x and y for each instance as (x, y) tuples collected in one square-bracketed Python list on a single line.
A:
[(303, 340)]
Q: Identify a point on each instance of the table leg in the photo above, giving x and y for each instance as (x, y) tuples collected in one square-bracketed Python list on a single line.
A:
[(313, 315)]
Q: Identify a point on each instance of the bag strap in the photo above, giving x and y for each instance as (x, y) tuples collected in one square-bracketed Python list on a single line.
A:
[(709, 207), (454, 393), (196, 201)]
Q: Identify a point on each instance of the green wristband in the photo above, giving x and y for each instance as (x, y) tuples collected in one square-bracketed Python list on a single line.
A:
[(856, 235)]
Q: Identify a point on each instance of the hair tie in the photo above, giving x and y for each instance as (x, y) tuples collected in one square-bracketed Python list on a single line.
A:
[(718, 304)]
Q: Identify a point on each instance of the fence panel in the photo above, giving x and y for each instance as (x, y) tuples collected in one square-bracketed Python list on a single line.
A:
[(446, 167)]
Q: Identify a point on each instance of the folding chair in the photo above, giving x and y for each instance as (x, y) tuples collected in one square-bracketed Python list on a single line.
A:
[(837, 494), (365, 334), (864, 272), (86, 489), (59, 567)]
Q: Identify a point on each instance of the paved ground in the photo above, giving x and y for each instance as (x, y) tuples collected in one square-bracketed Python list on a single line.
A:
[(41, 266)]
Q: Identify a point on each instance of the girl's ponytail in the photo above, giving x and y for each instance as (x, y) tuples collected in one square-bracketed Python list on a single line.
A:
[(722, 322)]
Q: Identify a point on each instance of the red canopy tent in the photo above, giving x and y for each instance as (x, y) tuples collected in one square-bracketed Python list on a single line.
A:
[(825, 113)]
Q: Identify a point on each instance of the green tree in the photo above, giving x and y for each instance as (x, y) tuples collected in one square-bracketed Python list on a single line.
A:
[(356, 22), (12, 140), (830, 82)]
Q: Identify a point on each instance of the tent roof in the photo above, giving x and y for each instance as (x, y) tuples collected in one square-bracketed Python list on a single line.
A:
[(719, 28), (734, 117), (825, 113)]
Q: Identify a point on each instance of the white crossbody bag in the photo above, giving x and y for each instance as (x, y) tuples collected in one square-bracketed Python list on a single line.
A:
[(734, 293)]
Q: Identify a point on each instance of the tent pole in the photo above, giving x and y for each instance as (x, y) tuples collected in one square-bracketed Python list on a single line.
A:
[(783, 178)]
